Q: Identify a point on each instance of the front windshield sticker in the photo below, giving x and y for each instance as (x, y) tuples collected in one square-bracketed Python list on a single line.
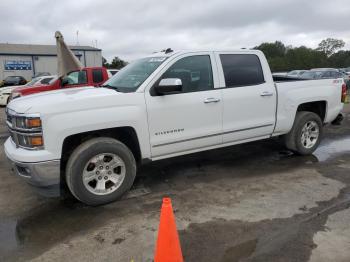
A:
[(157, 59)]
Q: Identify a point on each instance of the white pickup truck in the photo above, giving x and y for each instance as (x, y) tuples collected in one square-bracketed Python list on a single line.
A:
[(161, 106)]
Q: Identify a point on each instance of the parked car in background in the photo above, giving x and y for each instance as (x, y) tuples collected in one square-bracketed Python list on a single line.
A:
[(343, 70), (42, 74), (311, 75), (333, 74), (295, 73), (318, 73), (279, 73), (323, 69), (88, 76), (5, 92), (14, 81), (158, 107), (112, 72)]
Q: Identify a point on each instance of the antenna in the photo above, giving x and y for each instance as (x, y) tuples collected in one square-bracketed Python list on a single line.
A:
[(168, 50), (78, 37)]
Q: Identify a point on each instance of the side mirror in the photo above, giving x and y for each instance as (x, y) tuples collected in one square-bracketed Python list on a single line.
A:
[(169, 86)]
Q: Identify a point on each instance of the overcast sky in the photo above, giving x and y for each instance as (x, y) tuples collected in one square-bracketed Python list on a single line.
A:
[(130, 29)]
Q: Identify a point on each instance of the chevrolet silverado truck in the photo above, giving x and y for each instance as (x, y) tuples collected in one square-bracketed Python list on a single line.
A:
[(88, 76), (91, 140)]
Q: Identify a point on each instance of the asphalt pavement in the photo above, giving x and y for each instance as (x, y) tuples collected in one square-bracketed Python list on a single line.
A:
[(251, 202)]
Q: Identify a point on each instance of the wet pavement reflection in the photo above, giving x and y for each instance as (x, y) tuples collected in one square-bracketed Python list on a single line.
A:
[(331, 148), (56, 220)]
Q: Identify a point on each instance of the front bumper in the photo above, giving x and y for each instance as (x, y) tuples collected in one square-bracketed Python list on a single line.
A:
[(3, 99), (44, 176)]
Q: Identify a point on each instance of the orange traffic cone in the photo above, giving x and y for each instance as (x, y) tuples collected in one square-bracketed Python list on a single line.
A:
[(168, 247)]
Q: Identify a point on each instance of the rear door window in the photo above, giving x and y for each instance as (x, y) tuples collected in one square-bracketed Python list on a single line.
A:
[(242, 70), (97, 76), (77, 78)]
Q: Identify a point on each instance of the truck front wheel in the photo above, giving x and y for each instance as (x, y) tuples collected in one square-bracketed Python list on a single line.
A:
[(100, 171), (306, 133)]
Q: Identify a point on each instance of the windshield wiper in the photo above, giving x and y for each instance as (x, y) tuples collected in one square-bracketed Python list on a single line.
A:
[(110, 87)]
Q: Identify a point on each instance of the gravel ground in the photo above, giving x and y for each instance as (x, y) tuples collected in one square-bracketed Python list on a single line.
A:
[(252, 202)]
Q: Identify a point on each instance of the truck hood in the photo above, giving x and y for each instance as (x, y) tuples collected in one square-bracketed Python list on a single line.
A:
[(72, 99), (27, 89)]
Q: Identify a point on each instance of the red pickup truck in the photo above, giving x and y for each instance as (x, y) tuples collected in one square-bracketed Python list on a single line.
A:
[(88, 76)]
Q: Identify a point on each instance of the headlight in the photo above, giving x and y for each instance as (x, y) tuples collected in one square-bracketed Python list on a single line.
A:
[(26, 131), (28, 123)]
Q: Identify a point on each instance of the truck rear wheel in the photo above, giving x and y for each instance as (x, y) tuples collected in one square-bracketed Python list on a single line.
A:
[(100, 171), (306, 133)]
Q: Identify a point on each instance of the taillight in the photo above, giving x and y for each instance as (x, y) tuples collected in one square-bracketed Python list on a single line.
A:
[(343, 93)]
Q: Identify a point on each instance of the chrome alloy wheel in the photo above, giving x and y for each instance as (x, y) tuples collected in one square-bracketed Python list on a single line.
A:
[(310, 134), (104, 173)]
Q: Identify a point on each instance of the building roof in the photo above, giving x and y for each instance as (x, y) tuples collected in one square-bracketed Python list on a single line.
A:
[(24, 49)]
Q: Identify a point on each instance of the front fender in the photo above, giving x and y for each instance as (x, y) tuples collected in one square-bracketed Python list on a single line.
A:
[(60, 126)]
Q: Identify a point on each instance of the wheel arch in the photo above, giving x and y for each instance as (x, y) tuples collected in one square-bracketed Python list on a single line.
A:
[(125, 134), (317, 107)]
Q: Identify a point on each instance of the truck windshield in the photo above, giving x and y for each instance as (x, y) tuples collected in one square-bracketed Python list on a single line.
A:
[(33, 81), (133, 75)]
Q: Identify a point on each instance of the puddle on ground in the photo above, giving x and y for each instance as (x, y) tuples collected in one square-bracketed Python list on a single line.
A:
[(332, 148), (39, 229), (328, 149)]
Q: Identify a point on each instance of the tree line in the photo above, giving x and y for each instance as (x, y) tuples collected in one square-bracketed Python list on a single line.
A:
[(116, 63), (286, 58)]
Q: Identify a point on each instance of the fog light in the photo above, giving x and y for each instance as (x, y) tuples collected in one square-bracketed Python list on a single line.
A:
[(24, 171)]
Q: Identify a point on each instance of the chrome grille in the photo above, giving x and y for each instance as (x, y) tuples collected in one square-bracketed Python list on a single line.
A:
[(8, 117)]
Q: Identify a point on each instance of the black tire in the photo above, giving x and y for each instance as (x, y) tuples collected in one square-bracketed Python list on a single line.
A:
[(293, 139), (81, 156)]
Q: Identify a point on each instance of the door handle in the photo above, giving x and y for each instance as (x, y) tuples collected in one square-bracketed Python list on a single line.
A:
[(266, 93), (211, 100)]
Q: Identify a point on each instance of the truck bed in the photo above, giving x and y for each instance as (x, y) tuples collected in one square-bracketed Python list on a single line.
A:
[(292, 93)]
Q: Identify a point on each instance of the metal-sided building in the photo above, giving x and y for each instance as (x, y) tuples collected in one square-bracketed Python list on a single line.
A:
[(28, 60)]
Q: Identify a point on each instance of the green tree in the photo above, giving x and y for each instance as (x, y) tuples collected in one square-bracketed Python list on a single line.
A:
[(272, 50), (330, 45), (275, 54), (118, 63), (305, 58), (339, 59)]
